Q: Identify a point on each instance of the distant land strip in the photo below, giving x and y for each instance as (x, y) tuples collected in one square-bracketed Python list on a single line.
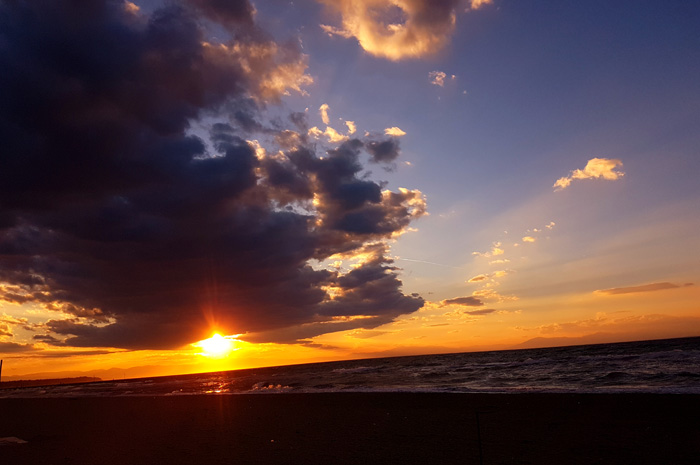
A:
[(47, 382)]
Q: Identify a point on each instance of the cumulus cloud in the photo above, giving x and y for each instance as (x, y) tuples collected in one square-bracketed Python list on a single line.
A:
[(146, 235), (396, 29), (529, 239), (643, 288), (596, 168)]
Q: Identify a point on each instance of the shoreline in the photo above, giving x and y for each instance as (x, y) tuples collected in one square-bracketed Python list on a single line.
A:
[(348, 428)]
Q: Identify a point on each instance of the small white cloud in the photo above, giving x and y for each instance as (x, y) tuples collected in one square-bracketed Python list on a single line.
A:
[(596, 168)]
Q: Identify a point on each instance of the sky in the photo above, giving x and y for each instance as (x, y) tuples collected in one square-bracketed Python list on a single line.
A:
[(319, 180)]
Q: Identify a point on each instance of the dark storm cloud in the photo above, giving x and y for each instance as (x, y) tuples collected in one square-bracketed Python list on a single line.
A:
[(466, 301), (113, 212), (227, 12), (46, 338), (383, 151)]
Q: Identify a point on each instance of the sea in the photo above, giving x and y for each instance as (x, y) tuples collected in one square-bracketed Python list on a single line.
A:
[(660, 366)]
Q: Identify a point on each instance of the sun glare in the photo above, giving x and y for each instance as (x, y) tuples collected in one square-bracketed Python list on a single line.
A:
[(216, 346)]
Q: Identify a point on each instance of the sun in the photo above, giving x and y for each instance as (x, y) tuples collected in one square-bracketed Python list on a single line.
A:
[(216, 346)]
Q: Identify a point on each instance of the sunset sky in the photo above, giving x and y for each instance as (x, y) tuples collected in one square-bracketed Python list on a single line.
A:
[(330, 179)]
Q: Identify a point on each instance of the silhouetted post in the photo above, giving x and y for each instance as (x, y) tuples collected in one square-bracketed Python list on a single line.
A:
[(0, 371)]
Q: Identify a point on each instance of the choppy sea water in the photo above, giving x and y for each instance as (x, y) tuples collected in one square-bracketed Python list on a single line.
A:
[(665, 366)]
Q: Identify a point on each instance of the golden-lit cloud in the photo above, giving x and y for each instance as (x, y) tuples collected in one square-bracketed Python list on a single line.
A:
[(394, 131), (596, 168), (437, 78), (476, 4), (395, 29), (469, 301), (529, 239), (500, 273), (489, 276), (332, 135), (495, 251), (643, 288), (131, 8), (5, 330), (491, 294), (275, 70), (324, 114)]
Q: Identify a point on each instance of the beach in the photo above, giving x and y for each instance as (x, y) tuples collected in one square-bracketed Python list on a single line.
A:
[(349, 428)]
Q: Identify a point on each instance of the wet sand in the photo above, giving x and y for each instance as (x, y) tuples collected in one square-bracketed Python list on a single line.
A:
[(355, 428)]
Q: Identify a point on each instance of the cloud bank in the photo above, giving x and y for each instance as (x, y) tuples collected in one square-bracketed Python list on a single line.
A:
[(147, 231)]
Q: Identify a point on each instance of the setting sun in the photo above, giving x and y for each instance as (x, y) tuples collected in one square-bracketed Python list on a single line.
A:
[(216, 346)]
